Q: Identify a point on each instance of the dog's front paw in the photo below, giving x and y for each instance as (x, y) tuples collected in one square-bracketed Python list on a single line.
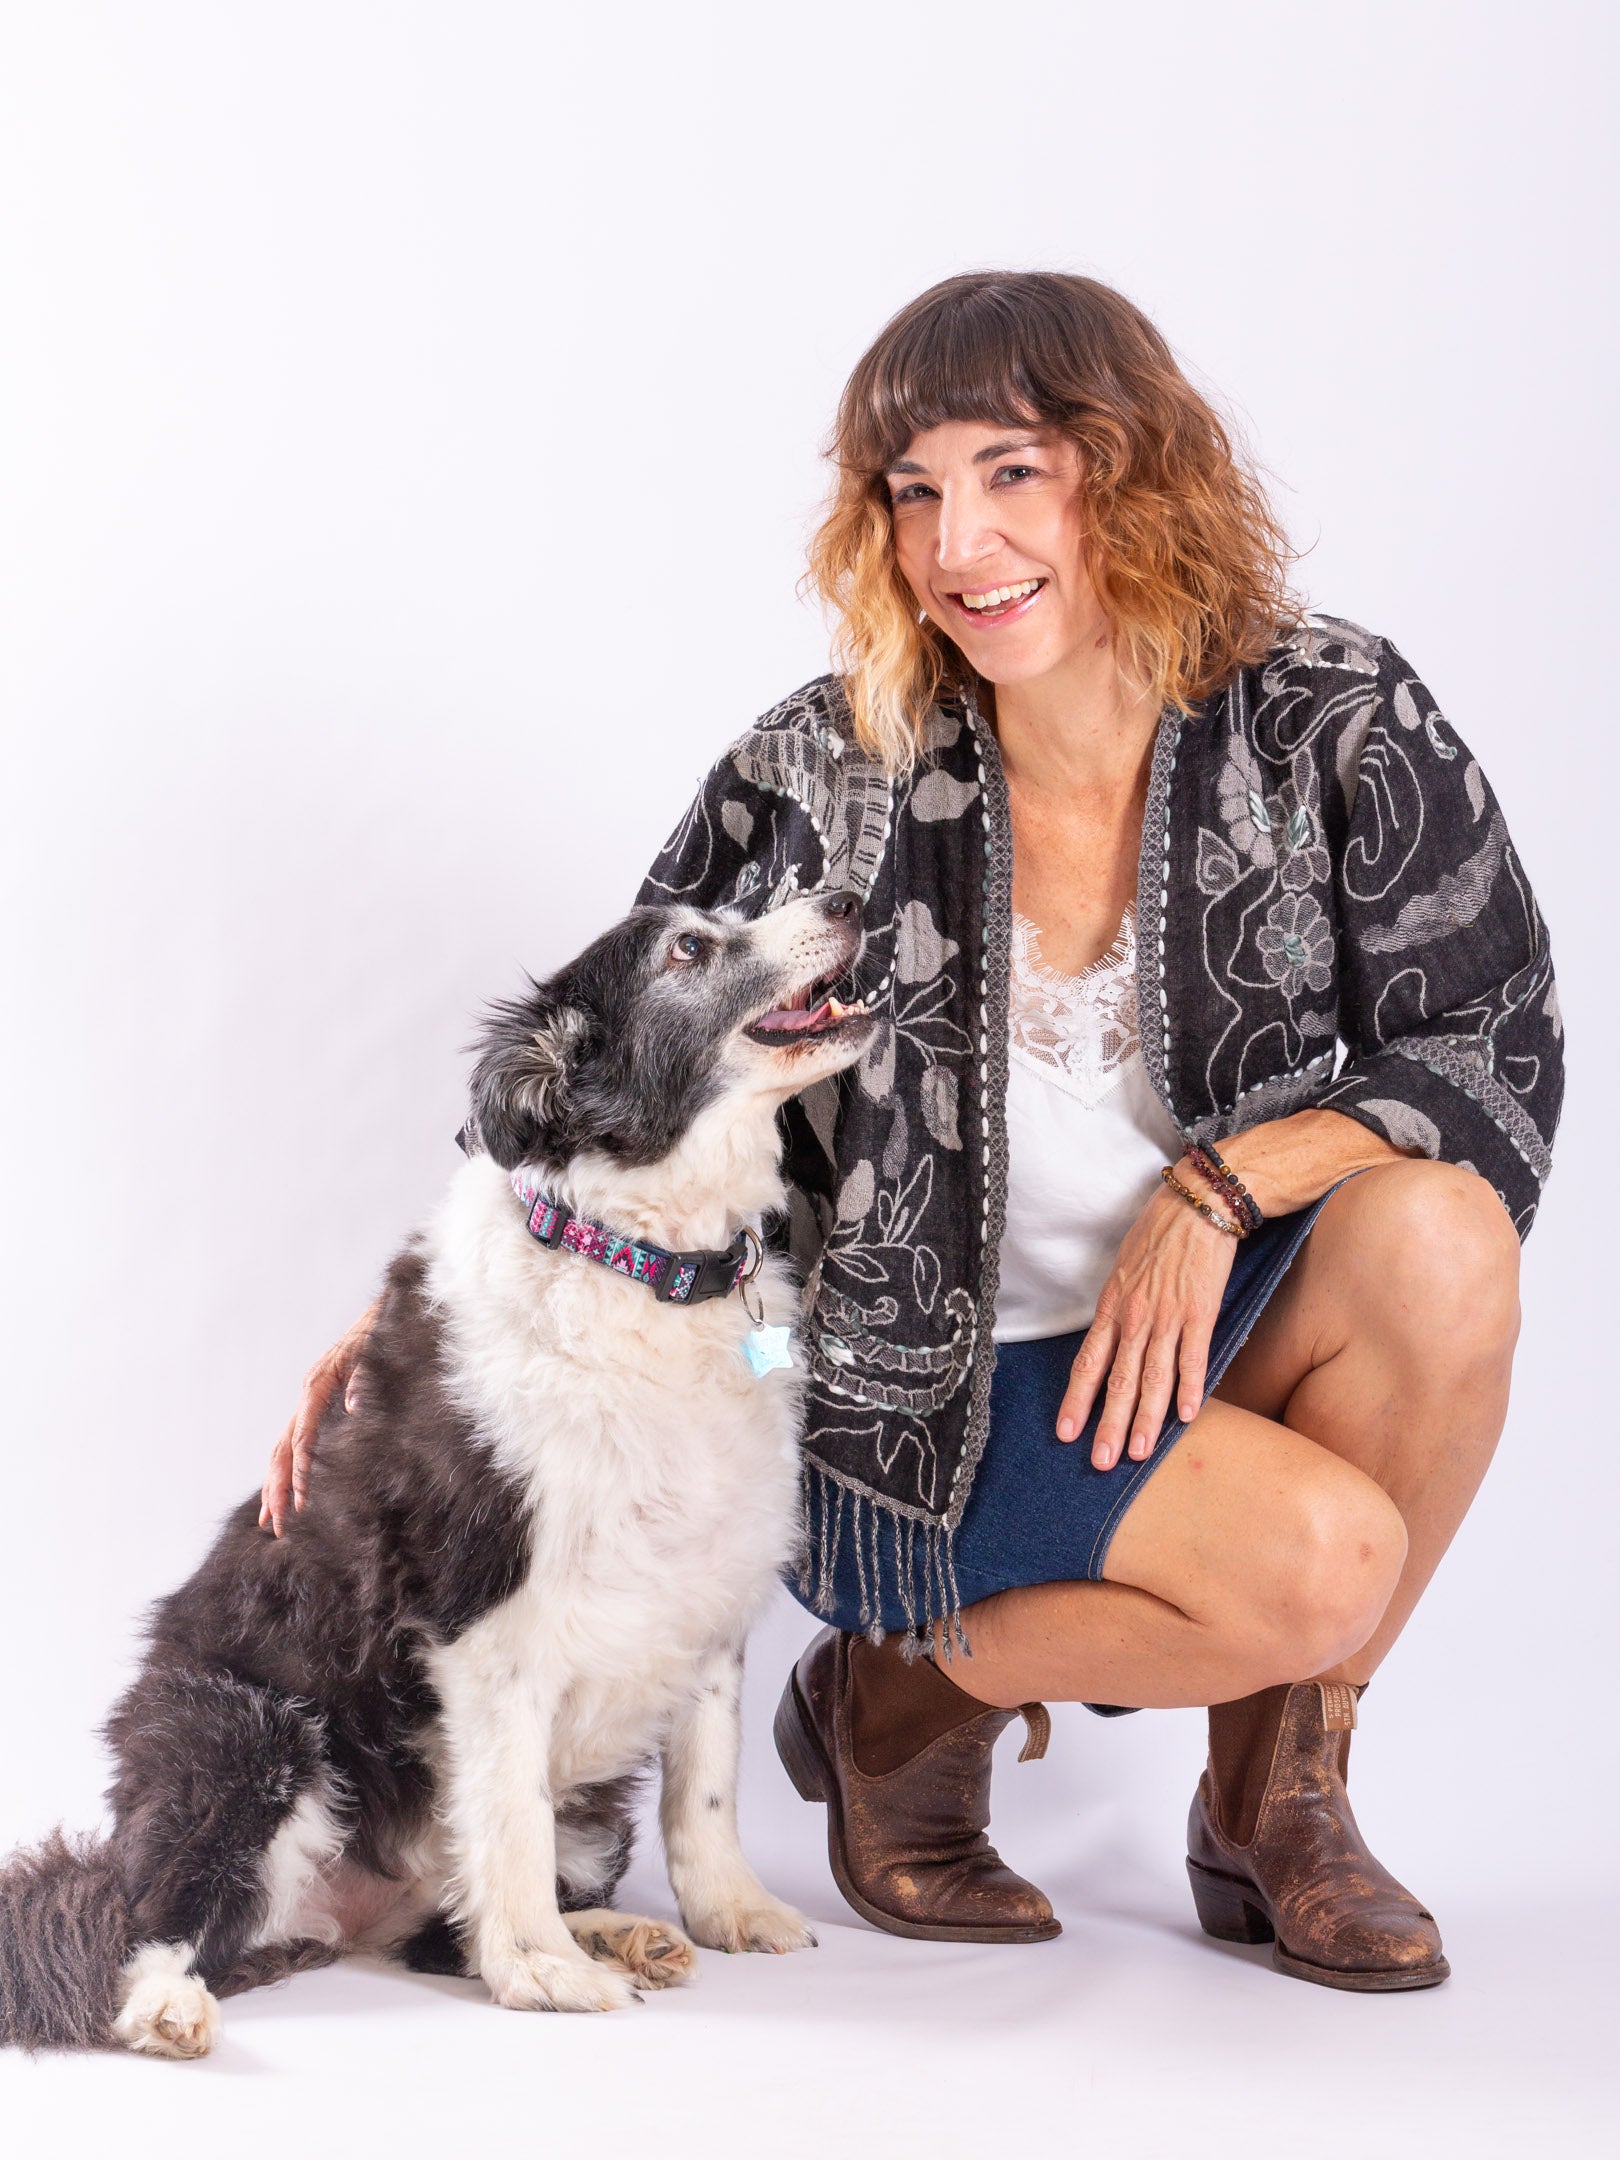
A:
[(166, 2009), (653, 1953), (540, 1980), (760, 1922)]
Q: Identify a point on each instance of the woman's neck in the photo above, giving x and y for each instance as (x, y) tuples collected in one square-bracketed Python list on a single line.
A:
[(1078, 733), (1077, 752)]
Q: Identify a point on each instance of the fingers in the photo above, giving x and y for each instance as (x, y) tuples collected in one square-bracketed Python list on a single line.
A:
[(286, 1483), (1149, 1370), (1149, 1341), (305, 1426), (1144, 1366), (287, 1480), (277, 1487), (1158, 1380), (1086, 1375), (321, 1383), (346, 1357), (1120, 1398), (1195, 1341)]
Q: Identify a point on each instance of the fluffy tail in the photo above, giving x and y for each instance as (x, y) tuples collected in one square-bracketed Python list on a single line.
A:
[(64, 1938)]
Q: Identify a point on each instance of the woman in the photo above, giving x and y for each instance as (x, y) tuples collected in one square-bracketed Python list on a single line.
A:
[(1156, 1350)]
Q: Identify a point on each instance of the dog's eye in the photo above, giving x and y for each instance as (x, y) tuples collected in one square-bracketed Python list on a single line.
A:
[(687, 948)]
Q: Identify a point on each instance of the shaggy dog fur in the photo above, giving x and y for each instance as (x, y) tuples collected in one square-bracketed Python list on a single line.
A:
[(414, 1722)]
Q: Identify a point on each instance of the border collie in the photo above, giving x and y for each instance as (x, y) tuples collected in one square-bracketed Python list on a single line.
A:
[(414, 1723)]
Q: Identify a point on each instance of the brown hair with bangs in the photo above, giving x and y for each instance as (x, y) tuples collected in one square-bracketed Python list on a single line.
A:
[(1181, 545)]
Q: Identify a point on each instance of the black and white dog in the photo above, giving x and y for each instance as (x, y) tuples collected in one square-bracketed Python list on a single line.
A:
[(413, 1723)]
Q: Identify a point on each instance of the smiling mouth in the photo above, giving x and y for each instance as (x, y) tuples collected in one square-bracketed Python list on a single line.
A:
[(810, 1015), (996, 603)]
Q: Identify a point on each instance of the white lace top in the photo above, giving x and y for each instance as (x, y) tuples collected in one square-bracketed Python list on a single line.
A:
[(1087, 1136)]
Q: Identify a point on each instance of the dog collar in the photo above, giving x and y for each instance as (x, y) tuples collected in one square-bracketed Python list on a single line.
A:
[(674, 1278)]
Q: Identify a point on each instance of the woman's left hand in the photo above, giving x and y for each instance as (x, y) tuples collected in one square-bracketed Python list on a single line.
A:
[(1151, 1334)]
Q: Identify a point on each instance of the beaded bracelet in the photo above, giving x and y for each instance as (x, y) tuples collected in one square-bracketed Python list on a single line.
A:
[(1220, 1171), (1232, 1229)]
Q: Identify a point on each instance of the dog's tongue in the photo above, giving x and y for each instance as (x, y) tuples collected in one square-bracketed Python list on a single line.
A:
[(787, 1021)]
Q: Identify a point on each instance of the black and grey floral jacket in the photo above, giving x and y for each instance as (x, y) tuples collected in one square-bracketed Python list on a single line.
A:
[(1329, 911)]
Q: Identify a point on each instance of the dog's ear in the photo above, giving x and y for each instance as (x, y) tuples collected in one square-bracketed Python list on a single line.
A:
[(520, 1083)]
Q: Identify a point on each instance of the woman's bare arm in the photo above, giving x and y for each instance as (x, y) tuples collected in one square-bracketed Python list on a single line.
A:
[(288, 1477)]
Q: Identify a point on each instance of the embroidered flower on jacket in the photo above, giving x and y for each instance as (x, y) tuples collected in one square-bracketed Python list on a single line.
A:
[(1297, 831), (1251, 820), (1296, 944)]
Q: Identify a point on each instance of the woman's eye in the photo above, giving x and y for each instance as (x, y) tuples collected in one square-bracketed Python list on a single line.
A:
[(916, 492), (1017, 472)]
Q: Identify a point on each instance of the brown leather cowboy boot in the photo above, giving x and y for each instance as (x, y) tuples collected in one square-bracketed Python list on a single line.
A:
[(1275, 1855), (901, 1756)]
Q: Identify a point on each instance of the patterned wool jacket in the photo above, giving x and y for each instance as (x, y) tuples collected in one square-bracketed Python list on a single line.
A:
[(1329, 912)]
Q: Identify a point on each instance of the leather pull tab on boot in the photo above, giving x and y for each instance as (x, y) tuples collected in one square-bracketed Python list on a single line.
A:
[(1338, 1705), (1037, 1730)]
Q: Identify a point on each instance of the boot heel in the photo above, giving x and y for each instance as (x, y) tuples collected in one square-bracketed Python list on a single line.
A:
[(801, 1758), (1224, 1911)]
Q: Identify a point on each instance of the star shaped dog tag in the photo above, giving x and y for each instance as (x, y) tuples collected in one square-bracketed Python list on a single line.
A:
[(766, 1349)]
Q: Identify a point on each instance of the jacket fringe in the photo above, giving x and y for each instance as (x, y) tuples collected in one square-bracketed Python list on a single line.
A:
[(900, 1558)]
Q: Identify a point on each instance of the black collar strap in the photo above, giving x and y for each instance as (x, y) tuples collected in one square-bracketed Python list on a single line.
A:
[(674, 1278)]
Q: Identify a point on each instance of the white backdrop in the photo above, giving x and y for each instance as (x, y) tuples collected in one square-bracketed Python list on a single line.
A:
[(409, 420)]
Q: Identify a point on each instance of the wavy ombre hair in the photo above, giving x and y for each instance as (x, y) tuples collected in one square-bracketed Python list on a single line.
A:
[(1181, 544)]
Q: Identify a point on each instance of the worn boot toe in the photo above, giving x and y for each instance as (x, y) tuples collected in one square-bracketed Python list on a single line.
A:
[(901, 1757), (1274, 1852)]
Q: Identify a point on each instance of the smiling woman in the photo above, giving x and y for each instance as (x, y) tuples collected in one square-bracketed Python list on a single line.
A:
[(1163, 1241), (1065, 377)]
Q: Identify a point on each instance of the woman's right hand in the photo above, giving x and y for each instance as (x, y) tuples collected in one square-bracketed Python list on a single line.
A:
[(288, 1477)]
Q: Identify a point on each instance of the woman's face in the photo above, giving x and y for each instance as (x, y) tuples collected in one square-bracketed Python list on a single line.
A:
[(988, 532)]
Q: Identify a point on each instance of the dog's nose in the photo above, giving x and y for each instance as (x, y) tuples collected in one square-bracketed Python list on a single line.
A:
[(841, 907)]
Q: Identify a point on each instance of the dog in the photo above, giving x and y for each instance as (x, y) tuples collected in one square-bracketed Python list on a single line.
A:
[(415, 1723)]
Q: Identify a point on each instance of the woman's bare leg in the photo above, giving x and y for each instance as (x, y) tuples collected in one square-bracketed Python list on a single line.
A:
[(1390, 1342), (1294, 1526), (1248, 1551)]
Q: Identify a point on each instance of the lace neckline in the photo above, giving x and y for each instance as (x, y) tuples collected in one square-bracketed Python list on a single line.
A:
[(1078, 1031)]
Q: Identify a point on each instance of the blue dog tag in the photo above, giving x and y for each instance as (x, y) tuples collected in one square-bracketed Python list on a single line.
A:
[(767, 1349)]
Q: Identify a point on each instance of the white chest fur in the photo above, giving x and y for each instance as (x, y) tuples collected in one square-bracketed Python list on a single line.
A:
[(660, 1470)]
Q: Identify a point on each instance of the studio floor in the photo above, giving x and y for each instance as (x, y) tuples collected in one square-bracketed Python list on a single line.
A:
[(1131, 2034)]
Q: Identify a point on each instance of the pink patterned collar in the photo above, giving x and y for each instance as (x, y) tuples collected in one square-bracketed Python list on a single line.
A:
[(674, 1278)]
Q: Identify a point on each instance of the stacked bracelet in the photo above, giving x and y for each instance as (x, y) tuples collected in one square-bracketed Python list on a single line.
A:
[(1226, 1181), (1232, 1229)]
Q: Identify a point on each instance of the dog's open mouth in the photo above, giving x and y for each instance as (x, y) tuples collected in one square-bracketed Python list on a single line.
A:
[(811, 1014)]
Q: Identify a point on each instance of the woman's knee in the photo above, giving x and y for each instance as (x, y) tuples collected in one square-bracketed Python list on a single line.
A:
[(1434, 1253), (1338, 1555)]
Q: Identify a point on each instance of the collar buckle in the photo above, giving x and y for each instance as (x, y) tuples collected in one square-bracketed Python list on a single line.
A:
[(693, 1277)]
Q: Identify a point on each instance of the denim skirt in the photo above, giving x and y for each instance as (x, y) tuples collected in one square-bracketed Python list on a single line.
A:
[(1038, 1512)]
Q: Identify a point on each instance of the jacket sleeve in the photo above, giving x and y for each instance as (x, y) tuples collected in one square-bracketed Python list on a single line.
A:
[(1448, 1006), (719, 853), (733, 846)]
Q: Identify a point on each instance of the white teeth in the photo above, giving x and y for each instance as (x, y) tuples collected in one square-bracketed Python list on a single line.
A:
[(1000, 596)]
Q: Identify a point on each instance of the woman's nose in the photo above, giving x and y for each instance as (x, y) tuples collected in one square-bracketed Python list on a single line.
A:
[(963, 536)]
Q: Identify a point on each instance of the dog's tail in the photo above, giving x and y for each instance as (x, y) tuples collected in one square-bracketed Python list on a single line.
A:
[(65, 1935)]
